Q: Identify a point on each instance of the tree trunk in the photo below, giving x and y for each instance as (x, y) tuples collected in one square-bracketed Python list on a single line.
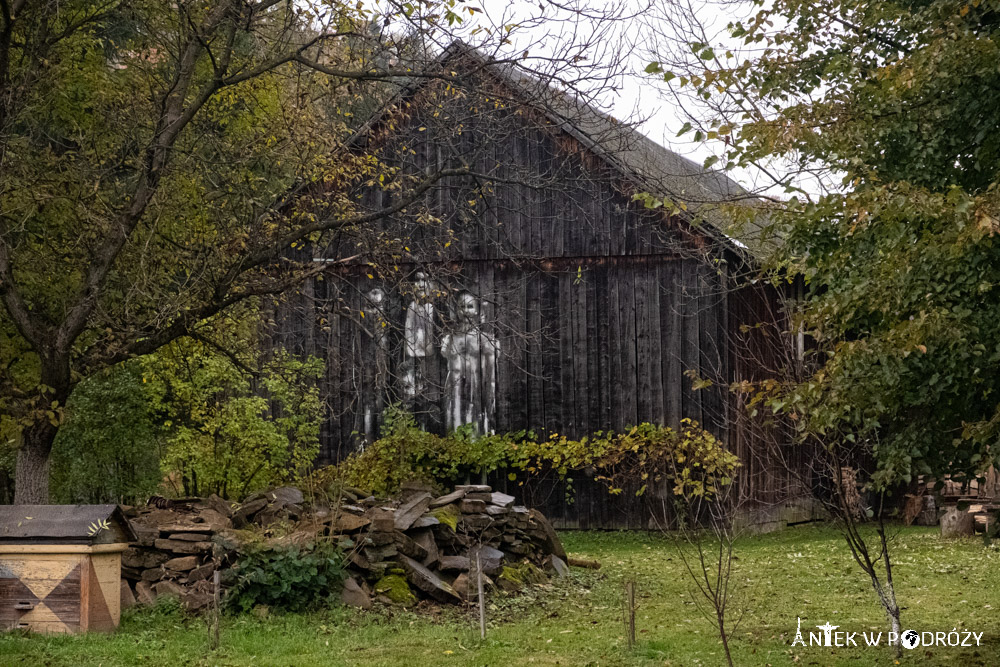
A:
[(896, 626), (31, 478), (725, 638)]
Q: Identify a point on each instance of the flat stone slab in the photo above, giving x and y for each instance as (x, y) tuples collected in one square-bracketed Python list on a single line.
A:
[(187, 528), (475, 488), (144, 593), (188, 537), (168, 588), (285, 495), (453, 563), (454, 496), (353, 595), (559, 565), (182, 564), (550, 541), (342, 522), (183, 547), (247, 511), (491, 559), (426, 521), (143, 559), (428, 582), (201, 573), (467, 506), (476, 521), (412, 510), (127, 596), (501, 499), (425, 539)]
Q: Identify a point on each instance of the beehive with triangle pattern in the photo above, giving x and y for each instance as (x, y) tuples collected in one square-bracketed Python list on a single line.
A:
[(60, 566)]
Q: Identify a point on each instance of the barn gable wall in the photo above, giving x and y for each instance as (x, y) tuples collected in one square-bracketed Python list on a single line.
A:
[(601, 312)]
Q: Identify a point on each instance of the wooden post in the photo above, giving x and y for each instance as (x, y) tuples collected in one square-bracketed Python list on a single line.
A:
[(482, 599), (215, 610), (628, 607)]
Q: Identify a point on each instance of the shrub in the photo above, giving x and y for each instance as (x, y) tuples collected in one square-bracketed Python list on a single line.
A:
[(693, 460), (291, 578), (228, 433), (406, 452), (109, 448)]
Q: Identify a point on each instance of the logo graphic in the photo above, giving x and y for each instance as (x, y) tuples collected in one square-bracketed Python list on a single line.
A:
[(910, 639), (827, 633)]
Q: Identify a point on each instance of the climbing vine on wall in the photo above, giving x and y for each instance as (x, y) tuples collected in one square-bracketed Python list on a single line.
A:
[(692, 460)]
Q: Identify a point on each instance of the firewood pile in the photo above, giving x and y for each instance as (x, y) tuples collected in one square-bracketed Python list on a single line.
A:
[(421, 546)]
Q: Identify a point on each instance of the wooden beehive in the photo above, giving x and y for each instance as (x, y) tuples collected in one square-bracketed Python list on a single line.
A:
[(60, 566)]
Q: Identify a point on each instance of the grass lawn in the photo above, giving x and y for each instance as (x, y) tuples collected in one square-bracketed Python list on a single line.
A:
[(801, 572)]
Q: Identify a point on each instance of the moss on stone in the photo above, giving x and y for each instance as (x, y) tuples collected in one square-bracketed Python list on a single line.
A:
[(510, 579), (514, 577), (396, 588), (448, 515)]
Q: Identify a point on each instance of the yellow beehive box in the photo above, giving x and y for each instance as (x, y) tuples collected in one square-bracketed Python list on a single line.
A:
[(60, 566)]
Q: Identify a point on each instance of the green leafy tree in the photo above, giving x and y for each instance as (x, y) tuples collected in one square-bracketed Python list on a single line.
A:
[(227, 431), (878, 122), (895, 104), (109, 448), (142, 147), (163, 162)]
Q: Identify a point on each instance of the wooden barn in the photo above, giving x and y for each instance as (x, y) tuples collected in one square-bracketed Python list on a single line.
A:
[(530, 290)]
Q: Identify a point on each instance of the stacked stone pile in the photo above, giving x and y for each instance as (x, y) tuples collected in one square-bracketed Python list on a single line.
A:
[(175, 553), (420, 546), (429, 546)]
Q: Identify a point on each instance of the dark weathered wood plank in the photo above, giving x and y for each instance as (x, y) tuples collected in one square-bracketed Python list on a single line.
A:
[(690, 346), (580, 356), (614, 342), (644, 390), (592, 342), (553, 390), (628, 346), (567, 380), (671, 322), (652, 363)]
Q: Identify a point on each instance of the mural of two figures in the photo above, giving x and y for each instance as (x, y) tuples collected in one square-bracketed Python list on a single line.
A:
[(454, 344)]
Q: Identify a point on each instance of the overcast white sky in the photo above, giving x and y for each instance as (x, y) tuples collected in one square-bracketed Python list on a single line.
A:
[(550, 27), (638, 97), (547, 27)]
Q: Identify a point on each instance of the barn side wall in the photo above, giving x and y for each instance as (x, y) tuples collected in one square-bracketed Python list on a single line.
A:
[(601, 313)]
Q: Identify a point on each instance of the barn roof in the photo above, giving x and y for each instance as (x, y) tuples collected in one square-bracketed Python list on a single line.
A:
[(47, 524), (648, 165)]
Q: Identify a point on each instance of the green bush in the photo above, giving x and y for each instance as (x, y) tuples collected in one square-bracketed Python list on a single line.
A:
[(693, 460), (109, 448), (229, 433), (406, 452), (290, 578)]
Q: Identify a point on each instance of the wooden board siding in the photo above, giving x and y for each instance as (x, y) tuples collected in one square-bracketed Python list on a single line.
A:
[(595, 344), (605, 312), (73, 588)]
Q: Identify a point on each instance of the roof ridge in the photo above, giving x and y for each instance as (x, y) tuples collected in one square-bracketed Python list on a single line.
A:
[(651, 166)]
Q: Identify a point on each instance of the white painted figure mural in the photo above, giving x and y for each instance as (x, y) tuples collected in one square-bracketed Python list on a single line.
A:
[(456, 350), (376, 373), (471, 353), (418, 338), (419, 332)]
